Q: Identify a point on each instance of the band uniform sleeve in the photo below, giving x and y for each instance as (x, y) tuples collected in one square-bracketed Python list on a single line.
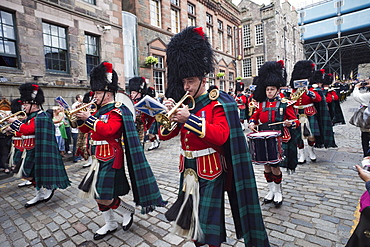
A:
[(111, 127), (24, 128), (256, 115), (317, 96), (290, 115)]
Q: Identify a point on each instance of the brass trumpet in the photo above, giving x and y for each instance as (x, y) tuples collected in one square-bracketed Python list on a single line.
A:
[(3, 122), (87, 107), (165, 119), (297, 94)]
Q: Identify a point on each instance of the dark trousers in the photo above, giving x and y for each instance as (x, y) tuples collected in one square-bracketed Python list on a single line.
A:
[(5, 142), (365, 139), (74, 149), (68, 140)]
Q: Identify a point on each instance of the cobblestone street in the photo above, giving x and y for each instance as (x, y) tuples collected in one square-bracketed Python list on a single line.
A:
[(319, 208)]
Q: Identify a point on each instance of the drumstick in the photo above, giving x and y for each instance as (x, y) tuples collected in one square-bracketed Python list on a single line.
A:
[(281, 122)]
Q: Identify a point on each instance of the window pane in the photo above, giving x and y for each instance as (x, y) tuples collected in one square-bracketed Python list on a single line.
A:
[(45, 28), (54, 41), (6, 18), (1, 46), (9, 47), (61, 32), (8, 32), (54, 30)]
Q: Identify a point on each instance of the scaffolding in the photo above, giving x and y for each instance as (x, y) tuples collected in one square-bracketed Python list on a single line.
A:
[(342, 55)]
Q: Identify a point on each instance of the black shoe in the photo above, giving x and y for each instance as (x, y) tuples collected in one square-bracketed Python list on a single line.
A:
[(126, 227), (278, 204), (98, 236), (33, 204), (267, 201), (51, 195)]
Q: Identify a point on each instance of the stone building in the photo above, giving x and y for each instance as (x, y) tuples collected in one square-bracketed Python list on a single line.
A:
[(268, 33), (55, 43), (158, 21)]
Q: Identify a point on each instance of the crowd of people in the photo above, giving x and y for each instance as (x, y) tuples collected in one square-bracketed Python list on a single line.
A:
[(216, 154)]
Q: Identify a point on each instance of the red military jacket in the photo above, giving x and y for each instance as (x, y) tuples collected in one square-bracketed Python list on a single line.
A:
[(241, 101), (260, 116), (208, 128), (330, 96), (108, 127), (27, 131), (305, 100)]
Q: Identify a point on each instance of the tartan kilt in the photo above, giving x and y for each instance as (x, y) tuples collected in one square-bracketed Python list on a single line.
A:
[(314, 124), (211, 207), (242, 114), (29, 164), (111, 182), (17, 158), (291, 155), (154, 128)]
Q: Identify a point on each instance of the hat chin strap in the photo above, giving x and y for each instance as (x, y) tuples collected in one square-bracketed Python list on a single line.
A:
[(102, 99), (200, 83)]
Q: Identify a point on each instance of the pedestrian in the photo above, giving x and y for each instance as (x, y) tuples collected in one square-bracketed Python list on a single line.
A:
[(110, 126), (214, 155), (42, 164), (60, 131), (274, 114), (360, 236), (74, 131)]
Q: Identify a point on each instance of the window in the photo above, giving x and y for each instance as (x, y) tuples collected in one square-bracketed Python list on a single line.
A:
[(210, 34), (90, 1), (246, 36), (260, 61), (231, 76), (158, 74), (8, 41), (231, 85), (209, 19), (55, 47), (222, 80), (92, 52), (259, 34), (175, 20), (211, 81), (229, 31), (220, 25), (155, 13), (175, 2), (191, 15), (230, 44), (191, 9), (191, 21), (221, 40), (247, 67)]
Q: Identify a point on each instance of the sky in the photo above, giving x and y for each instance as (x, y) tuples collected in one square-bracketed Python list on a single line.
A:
[(296, 3)]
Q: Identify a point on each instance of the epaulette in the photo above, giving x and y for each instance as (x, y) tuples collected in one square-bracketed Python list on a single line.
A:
[(118, 104), (117, 110), (214, 94)]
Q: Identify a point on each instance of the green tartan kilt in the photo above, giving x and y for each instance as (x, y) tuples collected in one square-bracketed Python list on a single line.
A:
[(17, 158), (242, 114), (211, 206), (29, 163), (291, 155), (111, 182), (154, 128)]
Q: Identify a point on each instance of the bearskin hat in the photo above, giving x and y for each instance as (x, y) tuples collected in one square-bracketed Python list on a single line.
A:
[(303, 69), (328, 79), (270, 74), (318, 76), (16, 105), (239, 87), (104, 78), (150, 91), (137, 84), (189, 54), (31, 93), (88, 97)]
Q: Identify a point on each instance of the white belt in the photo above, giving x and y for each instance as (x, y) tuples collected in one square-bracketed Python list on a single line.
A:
[(92, 142), (28, 137), (302, 106), (16, 138), (198, 153)]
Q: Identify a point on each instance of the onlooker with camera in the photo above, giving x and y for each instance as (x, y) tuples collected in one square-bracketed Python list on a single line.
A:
[(363, 97), (360, 236)]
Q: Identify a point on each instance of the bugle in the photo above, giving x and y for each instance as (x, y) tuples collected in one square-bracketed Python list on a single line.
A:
[(4, 121), (165, 119), (71, 114), (297, 94)]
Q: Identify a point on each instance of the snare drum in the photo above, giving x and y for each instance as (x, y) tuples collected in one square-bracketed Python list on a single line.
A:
[(266, 147)]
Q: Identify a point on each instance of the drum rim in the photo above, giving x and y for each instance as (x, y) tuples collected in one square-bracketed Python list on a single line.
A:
[(277, 133)]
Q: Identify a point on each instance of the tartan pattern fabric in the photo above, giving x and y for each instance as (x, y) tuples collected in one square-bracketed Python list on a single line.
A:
[(290, 151), (144, 185), (326, 135), (336, 113), (111, 182), (154, 128), (243, 196), (48, 169)]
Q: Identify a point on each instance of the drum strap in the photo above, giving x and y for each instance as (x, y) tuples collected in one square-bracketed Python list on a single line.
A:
[(279, 115)]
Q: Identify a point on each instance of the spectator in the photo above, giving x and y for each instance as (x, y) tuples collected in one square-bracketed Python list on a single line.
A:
[(58, 119), (74, 131), (363, 97)]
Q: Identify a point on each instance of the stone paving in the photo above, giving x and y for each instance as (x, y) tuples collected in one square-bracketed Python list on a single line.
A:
[(319, 206)]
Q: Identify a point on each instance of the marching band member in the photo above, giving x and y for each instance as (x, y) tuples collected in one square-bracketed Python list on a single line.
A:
[(109, 126), (272, 109), (150, 125), (43, 164), (241, 101), (332, 99), (214, 154), (305, 109)]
